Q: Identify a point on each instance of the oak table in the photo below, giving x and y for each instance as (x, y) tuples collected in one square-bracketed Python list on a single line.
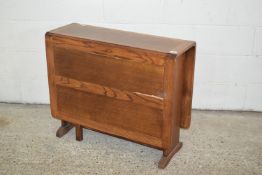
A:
[(134, 86)]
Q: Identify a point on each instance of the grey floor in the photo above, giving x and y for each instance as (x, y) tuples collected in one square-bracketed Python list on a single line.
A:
[(217, 143)]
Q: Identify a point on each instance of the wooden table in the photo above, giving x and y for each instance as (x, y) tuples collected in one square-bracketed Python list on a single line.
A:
[(134, 86)]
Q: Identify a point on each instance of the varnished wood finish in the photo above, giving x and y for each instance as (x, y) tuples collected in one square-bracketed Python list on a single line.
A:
[(135, 97), (122, 39), (98, 108), (134, 86), (187, 92), (111, 50), (51, 72), (117, 73)]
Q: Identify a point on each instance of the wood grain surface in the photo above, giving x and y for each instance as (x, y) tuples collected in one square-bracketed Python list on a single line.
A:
[(135, 97), (106, 71)]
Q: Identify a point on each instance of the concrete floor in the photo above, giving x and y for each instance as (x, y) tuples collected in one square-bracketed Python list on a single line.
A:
[(217, 143)]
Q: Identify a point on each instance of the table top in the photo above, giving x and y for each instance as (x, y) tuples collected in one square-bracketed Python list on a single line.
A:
[(130, 39)]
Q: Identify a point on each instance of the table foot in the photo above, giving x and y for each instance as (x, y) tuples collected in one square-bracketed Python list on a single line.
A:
[(63, 129), (167, 157)]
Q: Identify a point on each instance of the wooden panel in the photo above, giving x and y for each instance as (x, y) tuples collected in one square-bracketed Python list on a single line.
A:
[(51, 73), (112, 50), (111, 130), (135, 97), (110, 72), (85, 107), (187, 92)]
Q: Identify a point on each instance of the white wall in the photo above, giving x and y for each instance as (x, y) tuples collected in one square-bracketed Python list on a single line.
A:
[(228, 33)]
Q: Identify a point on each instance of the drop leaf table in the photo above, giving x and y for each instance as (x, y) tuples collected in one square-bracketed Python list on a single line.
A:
[(134, 86)]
